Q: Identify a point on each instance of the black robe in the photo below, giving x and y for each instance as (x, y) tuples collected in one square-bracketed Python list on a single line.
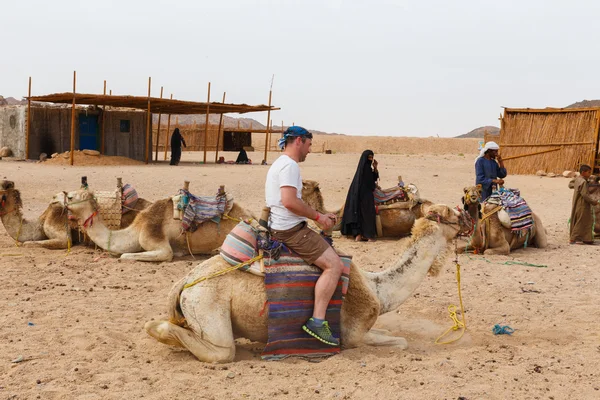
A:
[(359, 209), (242, 157)]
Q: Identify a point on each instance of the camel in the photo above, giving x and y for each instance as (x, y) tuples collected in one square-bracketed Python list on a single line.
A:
[(396, 219), (206, 317), (497, 238), (52, 229), (154, 234), (594, 189)]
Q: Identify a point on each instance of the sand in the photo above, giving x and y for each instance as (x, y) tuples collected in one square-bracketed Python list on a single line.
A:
[(77, 319)]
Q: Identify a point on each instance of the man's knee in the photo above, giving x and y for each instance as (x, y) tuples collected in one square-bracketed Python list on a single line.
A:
[(330, 261)]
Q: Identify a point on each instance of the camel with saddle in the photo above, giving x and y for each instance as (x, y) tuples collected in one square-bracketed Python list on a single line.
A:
[(156, 233), (52, 229), (395, 217), (493, 232), (206, 318)]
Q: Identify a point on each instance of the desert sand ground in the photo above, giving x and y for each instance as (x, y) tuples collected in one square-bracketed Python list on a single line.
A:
[(78, 319)]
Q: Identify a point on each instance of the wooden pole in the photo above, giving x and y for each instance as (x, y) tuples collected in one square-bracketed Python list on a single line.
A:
[(148, 122), (530, 154), (102, 131), (168, 131), (267, 133), (595, 144), (158, 129), (219, 132), (28, 121), (206, 123), (73, 119), (110, 93)]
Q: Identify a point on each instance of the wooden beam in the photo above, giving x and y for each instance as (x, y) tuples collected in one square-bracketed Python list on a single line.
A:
[(219, 132), (206, 122), (158, 130), (546, 144), (28, 122), (148, 122), (595, 147), (102, 131), (529, 154), (168, 130), (267, 133), (73, 119)]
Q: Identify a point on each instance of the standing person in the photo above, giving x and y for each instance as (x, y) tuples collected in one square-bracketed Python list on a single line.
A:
[(176, 141), (489, 169), (287, 222), (582, 213), (359, 210)]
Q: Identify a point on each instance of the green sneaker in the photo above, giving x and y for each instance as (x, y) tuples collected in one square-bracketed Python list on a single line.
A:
[(322, 333)]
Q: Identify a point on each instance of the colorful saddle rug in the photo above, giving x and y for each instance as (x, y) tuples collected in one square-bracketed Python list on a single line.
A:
[(129, 198), (521, 218), (200, 209), (384, 195), (290, 285)]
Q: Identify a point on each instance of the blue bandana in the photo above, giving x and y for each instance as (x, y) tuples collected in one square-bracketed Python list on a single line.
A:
[(293, 131)]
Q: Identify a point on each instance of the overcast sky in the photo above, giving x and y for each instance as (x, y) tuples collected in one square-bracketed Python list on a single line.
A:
[(372, 67)]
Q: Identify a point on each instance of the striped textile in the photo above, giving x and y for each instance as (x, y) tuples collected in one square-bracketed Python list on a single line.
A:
[(521, 218), (240, 245), (290, 286), (381, 196), (129, 198), (201, 209)]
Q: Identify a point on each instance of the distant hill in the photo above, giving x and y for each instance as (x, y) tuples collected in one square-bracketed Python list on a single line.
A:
[(478, 133), (585, 103), (11, 101)]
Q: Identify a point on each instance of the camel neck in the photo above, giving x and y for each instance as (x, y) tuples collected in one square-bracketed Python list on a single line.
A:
[(120, 241)]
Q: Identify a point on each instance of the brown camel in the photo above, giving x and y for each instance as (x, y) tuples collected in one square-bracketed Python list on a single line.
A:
[(490, 235), (206, 317), (154, 235)]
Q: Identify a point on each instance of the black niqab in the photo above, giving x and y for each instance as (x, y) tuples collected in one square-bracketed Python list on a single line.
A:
[(359, 209)]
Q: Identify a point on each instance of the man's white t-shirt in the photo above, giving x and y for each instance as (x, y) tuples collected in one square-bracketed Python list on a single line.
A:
[(283, 172)]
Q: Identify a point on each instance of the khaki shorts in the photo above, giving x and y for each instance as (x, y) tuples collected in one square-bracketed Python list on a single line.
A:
[(305, 242)]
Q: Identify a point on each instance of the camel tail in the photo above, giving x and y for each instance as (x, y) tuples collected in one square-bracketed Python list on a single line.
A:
[(175, 314)]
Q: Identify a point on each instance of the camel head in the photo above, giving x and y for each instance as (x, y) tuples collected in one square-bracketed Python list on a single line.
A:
[(471, 199), (81, 204), (10, 198), (311, 195)]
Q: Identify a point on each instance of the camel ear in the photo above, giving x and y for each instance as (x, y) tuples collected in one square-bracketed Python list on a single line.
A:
[(466, 190)]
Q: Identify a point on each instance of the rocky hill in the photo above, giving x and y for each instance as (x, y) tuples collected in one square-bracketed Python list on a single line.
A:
[(478, 133), (585, 103), (11, 101)]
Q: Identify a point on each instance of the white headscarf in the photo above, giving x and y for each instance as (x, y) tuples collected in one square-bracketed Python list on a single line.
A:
[(488, 146)]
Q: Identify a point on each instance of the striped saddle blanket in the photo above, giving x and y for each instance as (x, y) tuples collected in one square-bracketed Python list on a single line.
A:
[(129, 198), (290, 286), (384, 195), (200, 209), (521, 218)]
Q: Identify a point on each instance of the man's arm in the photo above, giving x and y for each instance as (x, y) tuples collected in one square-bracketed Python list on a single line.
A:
[(298, 207), (501, 170), (480, 175), (183, 141)]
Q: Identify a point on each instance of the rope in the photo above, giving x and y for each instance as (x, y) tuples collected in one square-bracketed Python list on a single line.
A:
[(508, 262), (458, 324), (187, 239), (502, 330), (223, 271)]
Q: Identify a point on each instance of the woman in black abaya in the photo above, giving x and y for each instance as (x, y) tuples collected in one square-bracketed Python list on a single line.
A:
[(359, 211)]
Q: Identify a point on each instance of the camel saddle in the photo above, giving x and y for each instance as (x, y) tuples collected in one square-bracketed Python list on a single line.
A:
[(194, 210)]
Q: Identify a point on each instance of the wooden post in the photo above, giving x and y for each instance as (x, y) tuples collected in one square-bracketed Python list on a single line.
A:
[(595, 145), (28, 121), (110, 93), (219, 132), (186, 185), (267, 133), (158, 129), (73, 119), (148, 122), (102, 131), (168, 131), (206, 123)]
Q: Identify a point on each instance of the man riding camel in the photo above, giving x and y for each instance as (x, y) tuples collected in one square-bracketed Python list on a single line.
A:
[(287, 222)]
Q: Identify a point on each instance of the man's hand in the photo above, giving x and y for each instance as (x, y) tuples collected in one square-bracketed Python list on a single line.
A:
[(499, 158), (498, 181), (325, 221)]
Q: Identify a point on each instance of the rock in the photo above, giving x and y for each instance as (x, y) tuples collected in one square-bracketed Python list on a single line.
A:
[(230, 375), (541, 173), (54, 155), (551, 175), (66, 154), (91, 152), (5, 152), (43, 157), (569, 174)]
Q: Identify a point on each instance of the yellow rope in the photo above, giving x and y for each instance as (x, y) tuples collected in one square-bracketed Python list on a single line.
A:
[(452, 310), (11, 255), (226, 216), (224, 271), (187, 239)]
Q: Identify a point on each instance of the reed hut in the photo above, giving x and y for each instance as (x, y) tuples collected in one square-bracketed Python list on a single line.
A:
[(550, 139)]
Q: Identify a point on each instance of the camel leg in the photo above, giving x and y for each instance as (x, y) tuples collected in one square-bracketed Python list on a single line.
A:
[(52, 244), (210, 335), (375, 338), (503, 249), (540, 240), (164, 254)]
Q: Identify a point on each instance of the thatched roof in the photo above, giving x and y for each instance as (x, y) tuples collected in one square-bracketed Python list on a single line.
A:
[(157, 105), (552, 139)]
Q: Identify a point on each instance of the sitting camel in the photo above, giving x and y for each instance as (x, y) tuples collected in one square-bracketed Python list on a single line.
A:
[(52, 229), (594, 189), (491, 234), (154, 234), (397, 219), (206, 317)]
